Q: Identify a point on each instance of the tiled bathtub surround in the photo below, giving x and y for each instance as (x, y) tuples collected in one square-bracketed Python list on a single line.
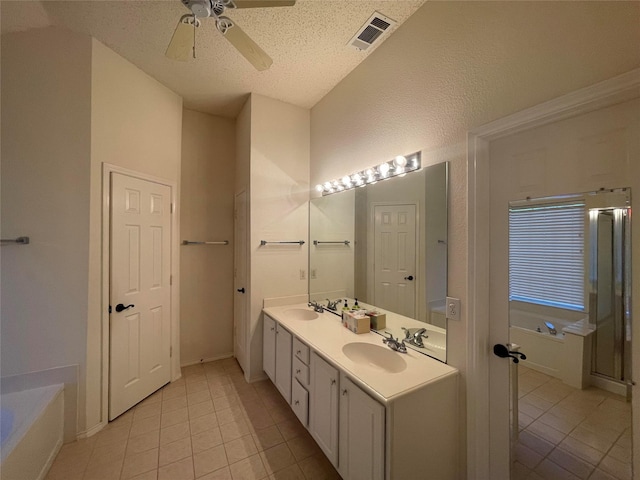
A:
[(209, 425), (568, 434)]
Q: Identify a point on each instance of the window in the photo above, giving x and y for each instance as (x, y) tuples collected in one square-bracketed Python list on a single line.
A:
[(546, 254)]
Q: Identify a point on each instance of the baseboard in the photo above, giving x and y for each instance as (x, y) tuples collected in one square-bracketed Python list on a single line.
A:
[(609, 385), (205, 360), (92, 431)]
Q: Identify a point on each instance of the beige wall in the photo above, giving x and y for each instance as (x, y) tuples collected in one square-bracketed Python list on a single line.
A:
[(46, 121), (279, 194), (69, 104), (457, 65), (206, 271), (136, 123)]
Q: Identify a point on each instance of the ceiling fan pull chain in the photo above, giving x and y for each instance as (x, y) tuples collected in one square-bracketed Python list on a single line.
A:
[(194, 35)]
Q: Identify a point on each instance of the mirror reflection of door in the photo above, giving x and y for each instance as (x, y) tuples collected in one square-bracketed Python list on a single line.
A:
[(395, 258)]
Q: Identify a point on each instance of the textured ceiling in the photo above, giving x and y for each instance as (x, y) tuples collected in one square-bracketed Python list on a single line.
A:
[(307, 42)]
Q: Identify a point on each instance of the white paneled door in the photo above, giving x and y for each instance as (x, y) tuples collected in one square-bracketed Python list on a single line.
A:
[(395, 258), (140, 291)]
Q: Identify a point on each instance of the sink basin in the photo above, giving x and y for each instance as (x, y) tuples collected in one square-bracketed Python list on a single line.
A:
[(301, 314), (375, 356)]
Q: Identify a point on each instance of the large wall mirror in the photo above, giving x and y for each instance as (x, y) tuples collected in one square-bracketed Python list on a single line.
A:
[(385, 244)]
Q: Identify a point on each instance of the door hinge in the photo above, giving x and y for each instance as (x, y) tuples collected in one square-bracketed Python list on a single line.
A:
[(171, 351), (173, 208), (170, 279)]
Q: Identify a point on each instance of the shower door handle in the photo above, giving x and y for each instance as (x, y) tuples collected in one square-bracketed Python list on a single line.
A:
[(502, 351)]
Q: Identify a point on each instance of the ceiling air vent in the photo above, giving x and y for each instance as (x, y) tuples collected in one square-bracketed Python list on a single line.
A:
[(377, 26)]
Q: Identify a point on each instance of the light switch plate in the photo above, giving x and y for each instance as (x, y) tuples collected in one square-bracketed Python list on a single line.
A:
[(453, 308)]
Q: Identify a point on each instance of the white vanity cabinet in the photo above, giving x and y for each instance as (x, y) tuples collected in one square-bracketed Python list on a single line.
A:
[(276, 355), (362, 429), (372, 423), (323, 406)]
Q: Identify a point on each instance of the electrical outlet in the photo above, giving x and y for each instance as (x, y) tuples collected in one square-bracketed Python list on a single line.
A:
[(453, 308), (312, 274), (303, 274)]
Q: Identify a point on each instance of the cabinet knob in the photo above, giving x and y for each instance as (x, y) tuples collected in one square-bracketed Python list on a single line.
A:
[(297, 402), (273, 328), (333, 382), (344, 392), (298, 352), (297, 370)]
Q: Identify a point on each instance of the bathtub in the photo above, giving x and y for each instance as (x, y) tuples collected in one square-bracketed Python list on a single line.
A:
[(32, 426), (566, 355)]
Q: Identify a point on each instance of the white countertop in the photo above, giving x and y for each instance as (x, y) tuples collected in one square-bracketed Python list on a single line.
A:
[(327, 336)]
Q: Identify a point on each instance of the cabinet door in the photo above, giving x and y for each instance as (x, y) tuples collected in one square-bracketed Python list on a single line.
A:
[(323, 407), (269, 347), (361, 434), (283, 362)]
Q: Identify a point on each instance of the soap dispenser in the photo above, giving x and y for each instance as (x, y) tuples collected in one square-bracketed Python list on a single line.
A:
[(345, 307), (355, 305)]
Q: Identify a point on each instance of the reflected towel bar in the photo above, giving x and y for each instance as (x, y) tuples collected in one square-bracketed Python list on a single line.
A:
[(345, 242), (20, 240), (189, 242), (265, 242)]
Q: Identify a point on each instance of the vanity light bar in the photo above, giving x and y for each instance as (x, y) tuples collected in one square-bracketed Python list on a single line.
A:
[(400, 165)]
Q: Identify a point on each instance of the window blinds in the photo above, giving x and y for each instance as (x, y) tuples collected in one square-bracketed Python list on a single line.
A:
[(546, 254)]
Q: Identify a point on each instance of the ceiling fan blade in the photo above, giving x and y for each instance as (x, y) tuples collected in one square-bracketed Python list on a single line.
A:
[(181, 44), (263, 3), (247, 47)]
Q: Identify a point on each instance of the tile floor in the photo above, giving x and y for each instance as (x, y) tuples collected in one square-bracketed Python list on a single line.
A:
[(568, 434), (209, 425)]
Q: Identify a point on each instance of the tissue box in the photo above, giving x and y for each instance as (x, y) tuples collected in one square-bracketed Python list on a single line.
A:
[(378, 320), (356, 322)]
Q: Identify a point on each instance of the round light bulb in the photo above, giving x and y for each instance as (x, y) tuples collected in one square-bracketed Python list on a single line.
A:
[(384, 169), (346, 181), (327, 185), (400, 161), (319, 188)]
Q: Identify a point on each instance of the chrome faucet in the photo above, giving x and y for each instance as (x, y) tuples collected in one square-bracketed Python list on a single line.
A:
[(316, 306), (394, 344), (415, 335), (551, 327), (333, 305)]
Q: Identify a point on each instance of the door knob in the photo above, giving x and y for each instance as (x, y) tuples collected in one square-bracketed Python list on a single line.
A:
[(120, 307), (241, 290), (502, 351), (410, 277)]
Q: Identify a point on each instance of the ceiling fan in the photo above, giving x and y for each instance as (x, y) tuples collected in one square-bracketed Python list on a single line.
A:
[(182, 45)]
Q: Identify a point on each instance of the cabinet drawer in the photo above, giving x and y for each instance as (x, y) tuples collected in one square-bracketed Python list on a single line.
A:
[(300, 402), (301, 371), (301, 350)]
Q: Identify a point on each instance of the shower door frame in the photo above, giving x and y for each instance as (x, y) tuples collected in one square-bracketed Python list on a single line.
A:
[(621, 290)]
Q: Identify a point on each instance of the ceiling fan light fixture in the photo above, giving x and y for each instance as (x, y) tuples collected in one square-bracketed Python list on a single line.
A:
[(200, 8)]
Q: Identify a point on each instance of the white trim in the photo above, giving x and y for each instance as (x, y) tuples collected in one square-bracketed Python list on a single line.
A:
[(609, 92), (208, 359), (107, 169), (92, 431)]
